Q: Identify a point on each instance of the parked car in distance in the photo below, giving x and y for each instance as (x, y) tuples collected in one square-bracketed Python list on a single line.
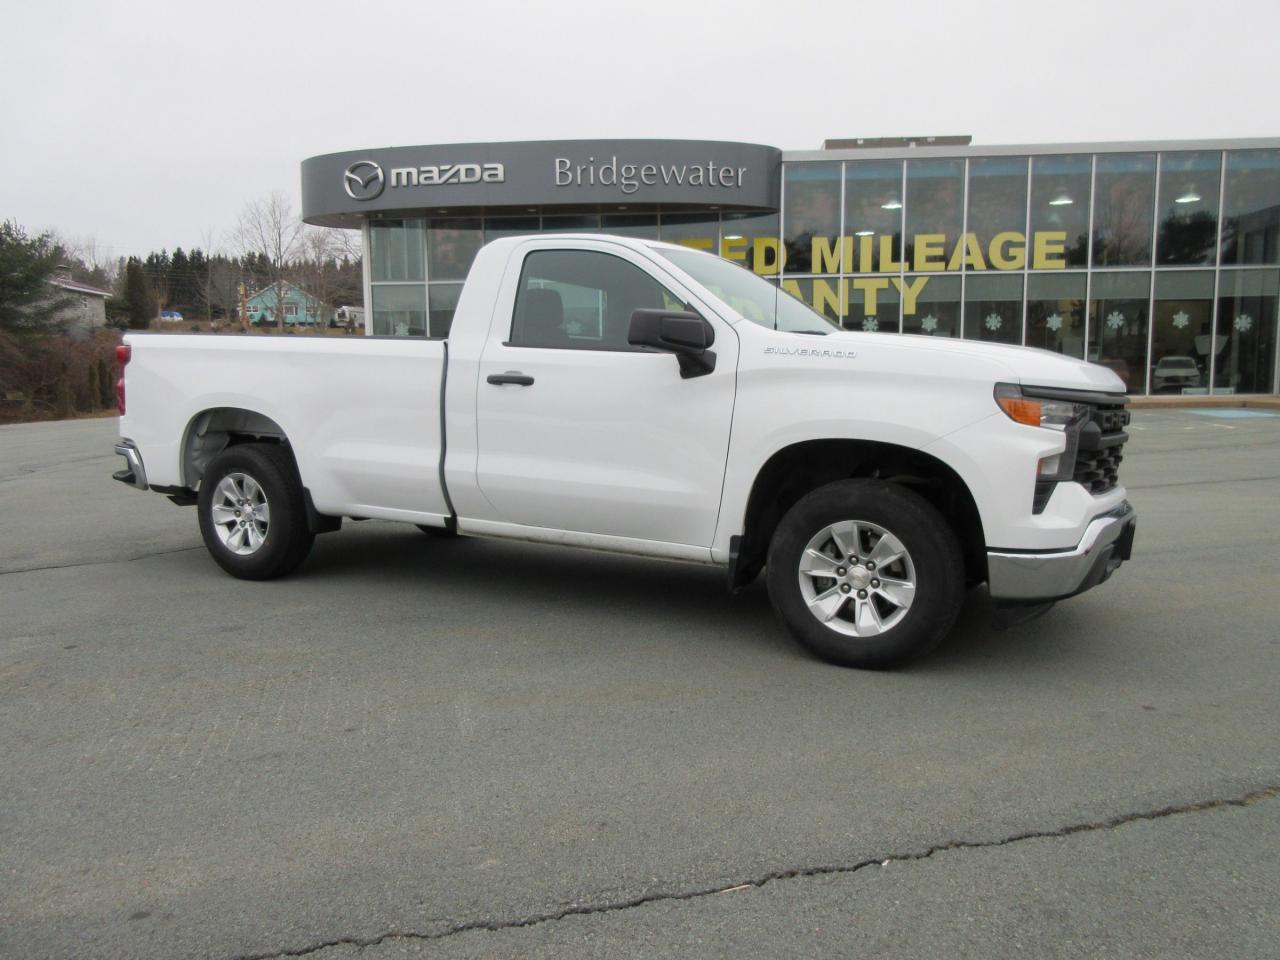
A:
[(1174, 373)]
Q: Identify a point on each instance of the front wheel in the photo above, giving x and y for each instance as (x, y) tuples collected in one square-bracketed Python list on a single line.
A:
[(252, 516), (866, 573)]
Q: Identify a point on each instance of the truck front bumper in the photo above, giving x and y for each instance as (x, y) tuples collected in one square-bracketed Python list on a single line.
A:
[(1036, 577)]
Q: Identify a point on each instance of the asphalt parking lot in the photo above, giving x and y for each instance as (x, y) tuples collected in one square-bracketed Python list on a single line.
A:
[(417, 747)]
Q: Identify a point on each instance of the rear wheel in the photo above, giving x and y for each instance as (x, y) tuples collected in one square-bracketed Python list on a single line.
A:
[(866, 573), (252, 517)]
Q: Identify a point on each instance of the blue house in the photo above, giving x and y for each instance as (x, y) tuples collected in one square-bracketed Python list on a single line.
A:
[(299, 307)]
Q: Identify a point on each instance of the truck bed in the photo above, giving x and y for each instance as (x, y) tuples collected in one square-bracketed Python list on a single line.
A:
[(361, 413)]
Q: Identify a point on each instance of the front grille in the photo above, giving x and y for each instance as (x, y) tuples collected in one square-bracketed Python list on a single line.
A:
[(1101, 447)]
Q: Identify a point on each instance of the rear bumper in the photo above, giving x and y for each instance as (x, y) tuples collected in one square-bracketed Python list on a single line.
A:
[(1018, 578), (134, 473)]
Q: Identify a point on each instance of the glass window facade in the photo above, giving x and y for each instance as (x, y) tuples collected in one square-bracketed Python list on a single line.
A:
[(934, 213), (1162, 265), (810, 215), (1055, 312), (873, 212), (451, 246), (399, 310), (1251, 208), (1187, 234), (1124, 191), (1060, 202), (1244, 341), (997, 217), (872, 304), (396, 250), (1181, 321), (751, 239), (697, 230), (644, 227), (1118, 312), (993, 308), (935, 306), (416, 266)]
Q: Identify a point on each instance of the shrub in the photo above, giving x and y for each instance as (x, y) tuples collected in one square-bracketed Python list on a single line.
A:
[(56, 377)]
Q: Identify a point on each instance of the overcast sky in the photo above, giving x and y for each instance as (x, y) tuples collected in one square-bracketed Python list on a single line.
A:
[(147, 125)]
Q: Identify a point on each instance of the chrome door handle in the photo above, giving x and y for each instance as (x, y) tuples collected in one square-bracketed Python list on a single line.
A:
[(511, 376)]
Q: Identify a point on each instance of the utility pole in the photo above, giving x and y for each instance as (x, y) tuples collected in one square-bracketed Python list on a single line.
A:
[(244, 310)]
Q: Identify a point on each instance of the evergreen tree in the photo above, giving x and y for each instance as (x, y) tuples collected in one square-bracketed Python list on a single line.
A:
[(29, 306), (181, 289), (139, 306)]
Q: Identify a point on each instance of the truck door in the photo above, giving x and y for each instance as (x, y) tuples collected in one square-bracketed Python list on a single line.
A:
[(579, 430)]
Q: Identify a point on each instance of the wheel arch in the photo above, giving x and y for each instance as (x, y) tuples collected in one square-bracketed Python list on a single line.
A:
[(214, 429), (801, 467)]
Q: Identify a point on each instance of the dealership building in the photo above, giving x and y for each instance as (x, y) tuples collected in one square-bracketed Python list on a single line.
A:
[(1160, 260)]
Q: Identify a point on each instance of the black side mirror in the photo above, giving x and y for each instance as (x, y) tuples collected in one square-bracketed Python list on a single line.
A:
[(687, 335)]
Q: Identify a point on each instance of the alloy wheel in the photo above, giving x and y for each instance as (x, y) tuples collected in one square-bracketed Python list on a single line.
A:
[(240, 513), (857, 578)]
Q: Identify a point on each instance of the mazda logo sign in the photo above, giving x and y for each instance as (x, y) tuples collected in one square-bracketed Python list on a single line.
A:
[(363, 180)]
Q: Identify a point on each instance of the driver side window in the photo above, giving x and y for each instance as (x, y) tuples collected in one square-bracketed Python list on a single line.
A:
[(582, 300)]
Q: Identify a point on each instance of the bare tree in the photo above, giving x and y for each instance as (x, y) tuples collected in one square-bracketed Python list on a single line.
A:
[(347, 244), (269, 228), (316, 270), (348, 284), (159, 287), (208, 241), (91, 258), (219, 285), (222, 287)]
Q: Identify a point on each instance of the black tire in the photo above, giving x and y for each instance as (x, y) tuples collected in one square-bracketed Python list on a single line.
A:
[(287, 539), (936, 567), (440, 533)]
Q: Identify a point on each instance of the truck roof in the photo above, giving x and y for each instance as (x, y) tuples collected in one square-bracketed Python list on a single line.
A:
[(635, 243)]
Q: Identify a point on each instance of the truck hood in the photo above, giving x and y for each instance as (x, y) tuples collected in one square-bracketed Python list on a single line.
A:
[(1030, 366)]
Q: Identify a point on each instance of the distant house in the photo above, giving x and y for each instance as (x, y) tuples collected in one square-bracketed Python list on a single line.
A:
[(86, 310), (299, 307)]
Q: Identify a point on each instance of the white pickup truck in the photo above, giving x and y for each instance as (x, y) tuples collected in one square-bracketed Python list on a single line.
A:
[(635, 396)]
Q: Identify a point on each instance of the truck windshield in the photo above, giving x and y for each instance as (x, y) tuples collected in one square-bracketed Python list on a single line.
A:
[(754, 299)]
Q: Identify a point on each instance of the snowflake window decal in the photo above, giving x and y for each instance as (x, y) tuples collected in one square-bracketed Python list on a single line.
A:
[(929, 323), (1180, 320), (870, 324), (994, 321), (1243, 322), (1054, 322), (1115, 319)]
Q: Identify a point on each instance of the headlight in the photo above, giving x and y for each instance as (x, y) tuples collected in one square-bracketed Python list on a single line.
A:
[(1038, 412), (1051, 414)]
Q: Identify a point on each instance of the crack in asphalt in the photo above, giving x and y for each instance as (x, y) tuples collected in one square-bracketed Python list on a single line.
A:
[(587, 909), (1197, 483), (99, 563)]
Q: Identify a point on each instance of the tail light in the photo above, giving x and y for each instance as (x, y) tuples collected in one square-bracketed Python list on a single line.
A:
[(123, 353)]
